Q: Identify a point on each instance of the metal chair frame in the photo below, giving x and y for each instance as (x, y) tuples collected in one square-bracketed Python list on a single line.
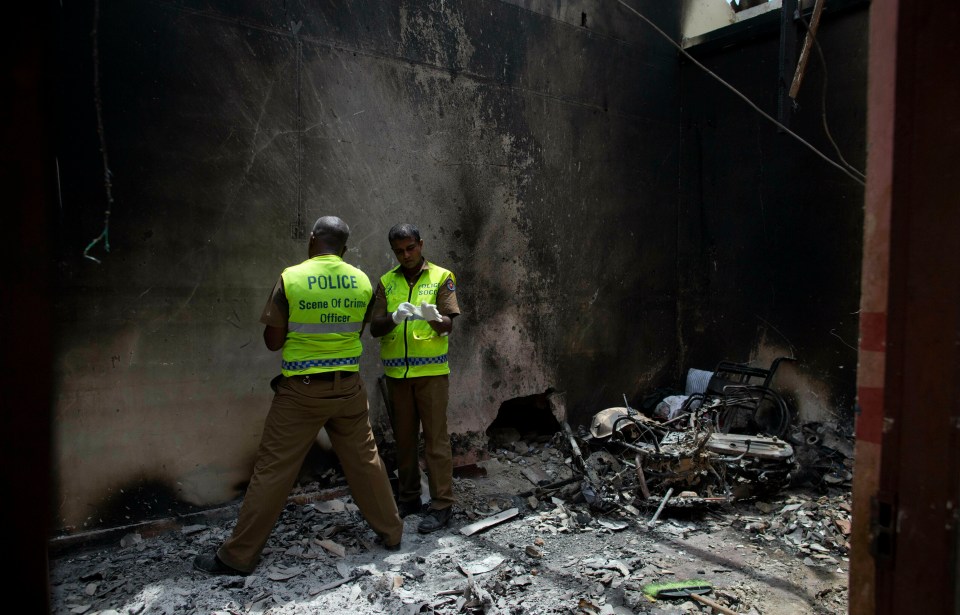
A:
[(744, 399)]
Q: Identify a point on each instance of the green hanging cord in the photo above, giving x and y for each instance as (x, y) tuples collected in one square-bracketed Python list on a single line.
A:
[(105, 233)]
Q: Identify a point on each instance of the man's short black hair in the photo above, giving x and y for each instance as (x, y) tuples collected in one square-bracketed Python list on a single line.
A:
[(331, 231), (403, 231)]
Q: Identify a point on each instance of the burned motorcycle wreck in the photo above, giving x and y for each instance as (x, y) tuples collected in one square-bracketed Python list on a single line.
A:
[(632, 462)]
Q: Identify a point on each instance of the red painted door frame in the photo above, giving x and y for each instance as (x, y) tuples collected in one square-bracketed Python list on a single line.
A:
[(907, 479)]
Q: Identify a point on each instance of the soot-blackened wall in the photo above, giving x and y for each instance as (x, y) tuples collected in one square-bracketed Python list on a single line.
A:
[(771, 235), (536, 144)]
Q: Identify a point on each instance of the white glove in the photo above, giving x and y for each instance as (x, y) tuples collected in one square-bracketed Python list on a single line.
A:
[(430, 312), (404, 311)]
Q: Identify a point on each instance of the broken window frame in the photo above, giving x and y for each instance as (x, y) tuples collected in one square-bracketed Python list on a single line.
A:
[(761, 20)]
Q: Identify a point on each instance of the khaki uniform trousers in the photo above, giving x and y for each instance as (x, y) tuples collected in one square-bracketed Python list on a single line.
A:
[(298, 411), (415, 402)]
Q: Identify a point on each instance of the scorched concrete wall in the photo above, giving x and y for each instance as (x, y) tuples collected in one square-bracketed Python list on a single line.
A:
[(535, 144)]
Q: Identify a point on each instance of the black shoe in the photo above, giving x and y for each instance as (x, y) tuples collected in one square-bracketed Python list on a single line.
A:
[(409, 508), (211, 564), (435, 520)]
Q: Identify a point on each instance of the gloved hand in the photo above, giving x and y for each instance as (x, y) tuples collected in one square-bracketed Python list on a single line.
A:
[(430, 312), (404, 311)]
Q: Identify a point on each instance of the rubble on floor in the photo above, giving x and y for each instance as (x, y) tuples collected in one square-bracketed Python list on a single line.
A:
[(818, 528), (784, 552)]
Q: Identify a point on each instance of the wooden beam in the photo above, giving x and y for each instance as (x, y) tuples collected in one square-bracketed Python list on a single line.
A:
[(808, 42)]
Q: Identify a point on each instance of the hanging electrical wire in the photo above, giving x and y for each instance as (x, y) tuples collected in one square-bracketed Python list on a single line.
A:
[(823, 99), (743, 97)]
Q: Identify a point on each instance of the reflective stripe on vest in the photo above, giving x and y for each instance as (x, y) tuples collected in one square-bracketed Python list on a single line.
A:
[(327, 299), (336, 363), (416, 361), (413, 348)]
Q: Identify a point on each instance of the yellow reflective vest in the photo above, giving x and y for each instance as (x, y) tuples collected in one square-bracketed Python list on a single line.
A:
[(328, 299), (413, 348)]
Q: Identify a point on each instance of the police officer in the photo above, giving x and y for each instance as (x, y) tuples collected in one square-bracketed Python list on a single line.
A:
[(316, 314), (413, 311)]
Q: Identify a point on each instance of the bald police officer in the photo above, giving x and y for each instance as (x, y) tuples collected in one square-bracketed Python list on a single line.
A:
[(316, 314)]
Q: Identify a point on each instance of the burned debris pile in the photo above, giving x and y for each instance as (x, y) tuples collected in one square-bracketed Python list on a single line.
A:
[(762, 485), (640, 462), (729, 439), (817, 528)]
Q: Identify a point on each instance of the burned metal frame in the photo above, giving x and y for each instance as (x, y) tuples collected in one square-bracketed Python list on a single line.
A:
[(643, 463)]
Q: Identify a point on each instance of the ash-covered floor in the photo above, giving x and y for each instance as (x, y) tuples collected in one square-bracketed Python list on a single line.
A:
[(782, 553)]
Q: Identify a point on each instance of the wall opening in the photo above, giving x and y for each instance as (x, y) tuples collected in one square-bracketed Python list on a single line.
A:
[(533, 418)]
